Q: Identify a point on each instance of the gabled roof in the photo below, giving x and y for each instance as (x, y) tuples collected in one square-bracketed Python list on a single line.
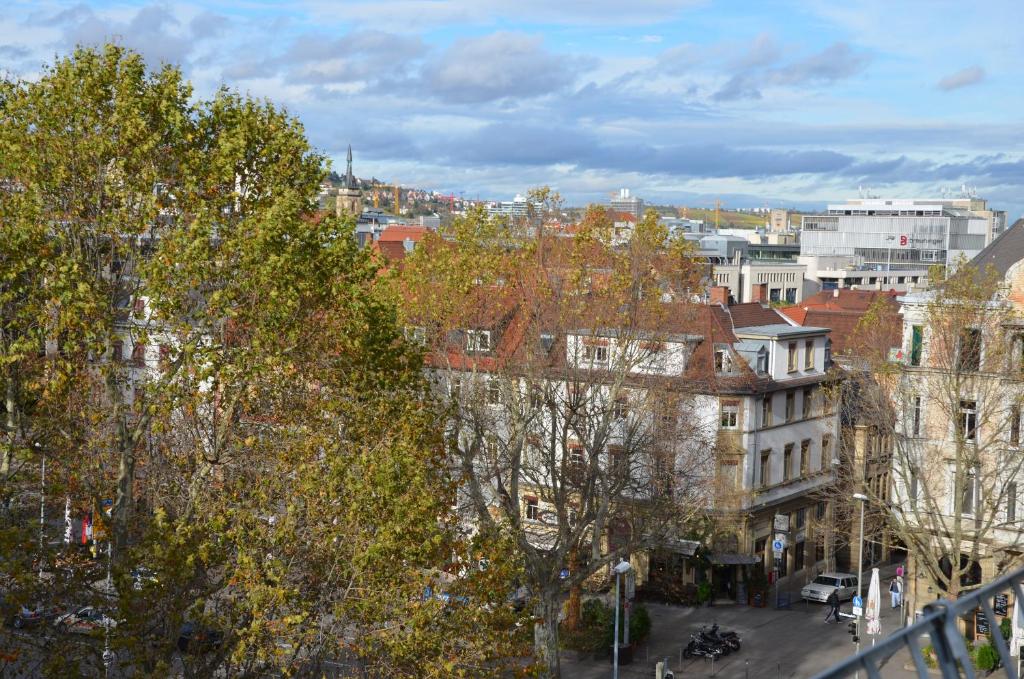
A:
[(1003, 252), (753, 314)]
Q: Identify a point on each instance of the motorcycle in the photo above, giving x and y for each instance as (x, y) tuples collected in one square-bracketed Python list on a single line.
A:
[(715, 635), (699, 647)]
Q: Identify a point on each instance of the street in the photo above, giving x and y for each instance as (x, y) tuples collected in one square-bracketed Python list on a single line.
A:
[(790, 643)]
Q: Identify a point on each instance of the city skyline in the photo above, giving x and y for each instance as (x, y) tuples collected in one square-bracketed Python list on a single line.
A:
[(794, 103)]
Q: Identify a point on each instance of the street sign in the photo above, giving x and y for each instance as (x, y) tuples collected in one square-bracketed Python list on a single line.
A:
[(858, 602), (778, 545), (782, 522), (563, 574), (858, 611)]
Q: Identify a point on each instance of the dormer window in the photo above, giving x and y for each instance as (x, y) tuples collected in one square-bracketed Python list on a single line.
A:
[(762, 361), (595, 353), (723, 361), (478, 341)]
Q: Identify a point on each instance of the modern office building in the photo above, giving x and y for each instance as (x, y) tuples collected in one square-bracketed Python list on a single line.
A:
[(900, 234), (515, 208), (624, 202)]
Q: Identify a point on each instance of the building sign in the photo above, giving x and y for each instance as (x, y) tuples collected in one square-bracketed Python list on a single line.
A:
[(980, 623), (1000, 605), (782, 523)]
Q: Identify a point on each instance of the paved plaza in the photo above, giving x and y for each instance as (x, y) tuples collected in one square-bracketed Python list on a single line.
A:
[(787, 643)]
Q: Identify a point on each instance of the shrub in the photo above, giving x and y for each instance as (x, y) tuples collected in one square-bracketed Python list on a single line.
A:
[(704, 592), (987, 657), (1006, 628), (597, 626), (929, 656)]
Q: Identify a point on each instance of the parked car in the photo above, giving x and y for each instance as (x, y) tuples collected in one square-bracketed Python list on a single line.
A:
[(33, 617), (194, 638), (84, 621), (822, 586)]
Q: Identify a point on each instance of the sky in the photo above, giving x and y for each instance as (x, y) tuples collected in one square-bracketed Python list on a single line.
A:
[(683, 101)]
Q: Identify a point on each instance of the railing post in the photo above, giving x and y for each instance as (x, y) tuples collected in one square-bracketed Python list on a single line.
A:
[(948, 644)]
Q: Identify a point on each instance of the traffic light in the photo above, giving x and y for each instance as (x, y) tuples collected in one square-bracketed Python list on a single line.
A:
[(851, 627)]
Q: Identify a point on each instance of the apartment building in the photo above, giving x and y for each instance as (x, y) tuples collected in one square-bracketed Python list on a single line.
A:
[(957, 464), (732, 400)]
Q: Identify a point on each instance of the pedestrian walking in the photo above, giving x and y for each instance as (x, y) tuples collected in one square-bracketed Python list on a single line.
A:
[(833, 606), (896, 591)]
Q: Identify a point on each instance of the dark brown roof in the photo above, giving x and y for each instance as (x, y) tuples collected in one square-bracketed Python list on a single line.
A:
[(1003, 252), (754, 313)]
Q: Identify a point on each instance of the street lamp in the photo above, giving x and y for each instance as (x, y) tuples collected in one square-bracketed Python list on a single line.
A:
[(620, 569), (863, 499)]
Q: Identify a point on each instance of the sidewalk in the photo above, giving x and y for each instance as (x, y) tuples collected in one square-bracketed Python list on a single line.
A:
[(791, 643)]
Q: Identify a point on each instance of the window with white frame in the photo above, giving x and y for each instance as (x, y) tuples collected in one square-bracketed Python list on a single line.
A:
[(762, 361), (766, 411), (478, 341), (968, 491), (493, 391), (915, 424), (620, 409), (532, 508), (809, 355), (730, 414), (596, 354), (1011, 502), (723, 361), (807, 403), (967, 422), (791, 362)]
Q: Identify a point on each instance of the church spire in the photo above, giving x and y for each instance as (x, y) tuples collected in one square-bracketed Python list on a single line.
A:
[(350, 181)]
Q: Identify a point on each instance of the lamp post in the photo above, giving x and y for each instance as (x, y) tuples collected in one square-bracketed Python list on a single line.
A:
[(860, 497), (621, 569), (42, 506)]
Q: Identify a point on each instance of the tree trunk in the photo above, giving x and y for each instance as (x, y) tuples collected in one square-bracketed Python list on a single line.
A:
[(9, 443), (572, 613), (125, 485), (545, 633)]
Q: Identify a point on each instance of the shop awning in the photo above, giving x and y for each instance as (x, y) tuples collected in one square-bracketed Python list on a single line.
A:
[(681, 547), (724, 559)]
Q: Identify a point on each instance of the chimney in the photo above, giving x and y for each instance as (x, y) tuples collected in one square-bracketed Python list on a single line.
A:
[(719, 295), (759, 292)]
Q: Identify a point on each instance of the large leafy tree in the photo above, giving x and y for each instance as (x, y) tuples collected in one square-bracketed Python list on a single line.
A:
[(580, 459), (187, 340)]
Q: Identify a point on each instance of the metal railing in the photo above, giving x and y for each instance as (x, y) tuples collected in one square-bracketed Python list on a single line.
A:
[(939, 623)]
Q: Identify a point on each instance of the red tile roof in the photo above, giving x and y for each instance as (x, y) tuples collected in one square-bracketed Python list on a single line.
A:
[(846, 300), (842, 313), (399, 232)]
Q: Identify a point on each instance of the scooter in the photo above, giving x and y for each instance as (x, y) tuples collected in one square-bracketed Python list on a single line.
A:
[(731, 639), (715, 642), (701, 648)]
